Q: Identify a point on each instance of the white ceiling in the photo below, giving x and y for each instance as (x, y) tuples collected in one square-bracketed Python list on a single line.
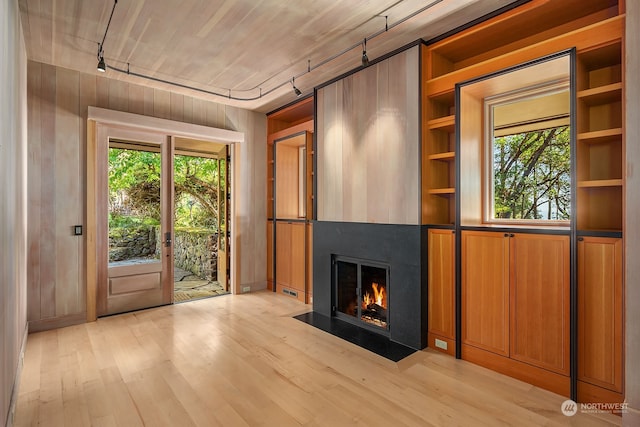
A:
[(246, 46)]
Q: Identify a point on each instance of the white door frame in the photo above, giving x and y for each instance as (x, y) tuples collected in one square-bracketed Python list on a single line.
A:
[(168, 128)]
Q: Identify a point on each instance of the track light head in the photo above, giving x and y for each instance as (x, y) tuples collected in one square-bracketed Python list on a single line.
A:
[(365, 58), (297, 91), (102, 67)]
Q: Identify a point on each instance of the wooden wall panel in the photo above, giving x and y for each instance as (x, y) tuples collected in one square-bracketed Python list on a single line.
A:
[(632, 200), (57, 101), (368, 144), (13, 205), (46, 239), (470, 157), (34, 190), (287, 179)]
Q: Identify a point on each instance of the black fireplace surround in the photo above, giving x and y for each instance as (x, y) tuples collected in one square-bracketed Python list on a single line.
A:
[(400, 247)]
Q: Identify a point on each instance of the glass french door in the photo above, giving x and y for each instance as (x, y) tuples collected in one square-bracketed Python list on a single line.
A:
[(136, 226)]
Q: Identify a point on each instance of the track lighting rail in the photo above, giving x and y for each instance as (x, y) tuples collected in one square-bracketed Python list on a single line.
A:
[(102, 66)]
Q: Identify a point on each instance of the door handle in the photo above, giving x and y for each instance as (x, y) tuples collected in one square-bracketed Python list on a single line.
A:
[(167, 240)]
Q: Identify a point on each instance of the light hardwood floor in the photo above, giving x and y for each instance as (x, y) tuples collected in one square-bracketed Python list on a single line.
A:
[(242, 360)]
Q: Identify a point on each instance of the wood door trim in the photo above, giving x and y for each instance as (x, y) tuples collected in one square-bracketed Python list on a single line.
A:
[(164, 126), (127, 122)]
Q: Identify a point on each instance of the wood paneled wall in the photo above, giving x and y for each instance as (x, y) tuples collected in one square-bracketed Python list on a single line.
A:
[(368, 164), (13, 206), (58, 100), (632, 200)]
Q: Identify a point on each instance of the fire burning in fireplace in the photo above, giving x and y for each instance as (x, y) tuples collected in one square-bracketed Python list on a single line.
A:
[(374, 305), (378, 298)]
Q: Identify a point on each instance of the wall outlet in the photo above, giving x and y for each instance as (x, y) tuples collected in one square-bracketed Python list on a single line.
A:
[(441, 344), (246, 289)]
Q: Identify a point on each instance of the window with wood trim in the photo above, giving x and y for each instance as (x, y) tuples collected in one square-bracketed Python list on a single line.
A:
[(528, 156)]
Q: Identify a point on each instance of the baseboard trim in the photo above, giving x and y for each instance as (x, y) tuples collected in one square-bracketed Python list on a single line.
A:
[(57, 322), (16, 381), (251, 287)]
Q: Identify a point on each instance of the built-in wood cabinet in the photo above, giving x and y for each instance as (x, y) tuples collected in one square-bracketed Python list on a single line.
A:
[(539, 300), (290, 199), (600, 319), (515, 309), (441, 293), (515, 305), (485, 291), (290, 257), (600, 142)]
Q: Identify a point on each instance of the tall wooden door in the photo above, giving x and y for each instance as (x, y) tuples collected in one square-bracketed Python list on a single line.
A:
[(137, 272)]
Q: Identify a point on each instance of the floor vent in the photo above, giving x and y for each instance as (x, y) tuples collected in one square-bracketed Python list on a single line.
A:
[(290, 292)]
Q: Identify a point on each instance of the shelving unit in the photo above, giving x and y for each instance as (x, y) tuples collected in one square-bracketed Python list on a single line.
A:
[(600, 154), (594, 28), (439, 157), (289, 232), (600, 139)]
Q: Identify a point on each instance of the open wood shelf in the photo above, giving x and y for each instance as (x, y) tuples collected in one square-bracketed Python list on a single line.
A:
[(442, 191), (600, 136), (601, 94), (446, 123), (600, 183), (446, 156)]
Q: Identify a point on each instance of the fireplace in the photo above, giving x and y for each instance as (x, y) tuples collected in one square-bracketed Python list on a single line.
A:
[(360, 255), (361, 292)]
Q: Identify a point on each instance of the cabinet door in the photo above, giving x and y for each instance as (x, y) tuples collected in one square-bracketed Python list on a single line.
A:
[(600, 317), (441, 283), (297, 260), (270, 252), (539, 292), (485, 291), (283, 253)]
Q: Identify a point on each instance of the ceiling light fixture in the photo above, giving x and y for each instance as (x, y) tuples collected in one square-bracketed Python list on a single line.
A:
[(295, 89), (102, 66), (365, 58), (262, 94)]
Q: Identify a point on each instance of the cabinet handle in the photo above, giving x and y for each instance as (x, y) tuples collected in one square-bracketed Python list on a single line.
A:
[(580, 239), (511, 235), (506, 234)]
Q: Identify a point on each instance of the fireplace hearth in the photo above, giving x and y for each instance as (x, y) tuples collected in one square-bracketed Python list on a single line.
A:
[(361, 292)]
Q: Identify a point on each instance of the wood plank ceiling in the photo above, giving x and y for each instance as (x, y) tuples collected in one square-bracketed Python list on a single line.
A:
[(238, 47)]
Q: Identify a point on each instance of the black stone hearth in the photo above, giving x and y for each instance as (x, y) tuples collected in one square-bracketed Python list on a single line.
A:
[(364, 338), (398, 246)]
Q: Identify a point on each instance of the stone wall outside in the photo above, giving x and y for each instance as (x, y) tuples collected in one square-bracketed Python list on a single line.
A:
[(127, 243), (196, 252)]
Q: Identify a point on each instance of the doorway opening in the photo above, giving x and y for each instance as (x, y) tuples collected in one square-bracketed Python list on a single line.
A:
[(200, 220)]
